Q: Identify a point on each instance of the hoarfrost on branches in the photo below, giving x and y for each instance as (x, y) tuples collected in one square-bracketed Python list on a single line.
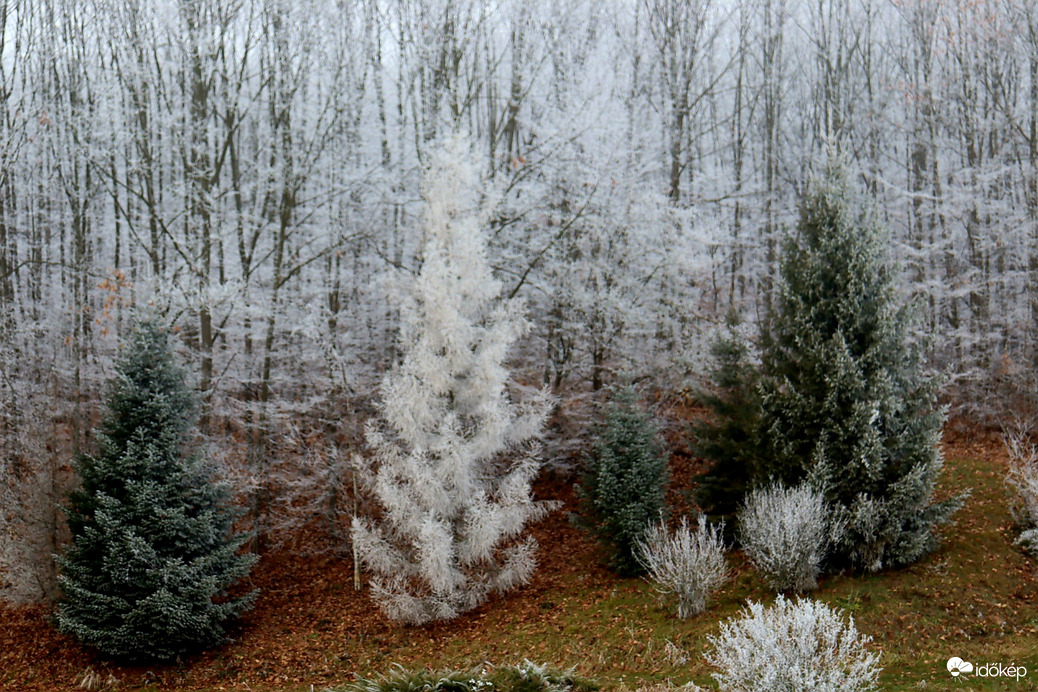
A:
[(1023, 479), (786, 532), (793, 646), (452, 456), (688, 565)]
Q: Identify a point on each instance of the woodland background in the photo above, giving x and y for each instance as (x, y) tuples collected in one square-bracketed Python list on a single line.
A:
[(250, 170)]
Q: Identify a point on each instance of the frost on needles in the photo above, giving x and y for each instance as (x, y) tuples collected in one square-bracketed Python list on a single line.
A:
[(845, 400), (452, 458), (153, 552)]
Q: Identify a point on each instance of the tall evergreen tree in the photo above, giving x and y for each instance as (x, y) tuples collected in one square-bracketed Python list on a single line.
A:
[(453, 456), (845, 401), (623, 484), (152, 553)]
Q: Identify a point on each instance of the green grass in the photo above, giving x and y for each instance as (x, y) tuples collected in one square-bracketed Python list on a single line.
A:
[(526, 677)]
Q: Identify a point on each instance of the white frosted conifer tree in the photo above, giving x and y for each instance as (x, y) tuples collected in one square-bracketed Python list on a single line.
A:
[(452, 456)]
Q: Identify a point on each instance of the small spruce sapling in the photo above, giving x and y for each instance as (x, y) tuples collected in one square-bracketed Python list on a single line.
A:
[(153, 554), (623, 485), (453, 456)]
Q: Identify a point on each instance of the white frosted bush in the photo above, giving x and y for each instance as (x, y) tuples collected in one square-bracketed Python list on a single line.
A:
[(687, 565), (785, 533), (1023, 479), (801, 646)]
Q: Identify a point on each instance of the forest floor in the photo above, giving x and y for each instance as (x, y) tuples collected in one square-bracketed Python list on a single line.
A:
[(975, 598)]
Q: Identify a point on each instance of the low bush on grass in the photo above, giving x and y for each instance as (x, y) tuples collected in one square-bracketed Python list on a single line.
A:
[(686, 565), (793, 646), (1023, 479), (785, 533)]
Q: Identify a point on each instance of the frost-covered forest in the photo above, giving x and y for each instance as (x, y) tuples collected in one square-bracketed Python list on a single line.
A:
[(611, 318), (252, 168), (251, 172)]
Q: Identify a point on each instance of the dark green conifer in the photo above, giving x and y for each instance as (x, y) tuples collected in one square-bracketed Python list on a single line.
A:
[(153, 554), (845, 400), (727, 437)]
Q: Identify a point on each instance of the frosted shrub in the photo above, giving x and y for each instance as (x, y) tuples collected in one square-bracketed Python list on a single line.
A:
[(1023, 478), (785, 533), (688, 565), (801, 646), (525, 677)]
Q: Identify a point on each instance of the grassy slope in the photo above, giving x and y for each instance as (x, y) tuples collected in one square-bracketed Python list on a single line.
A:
[(976, 598)]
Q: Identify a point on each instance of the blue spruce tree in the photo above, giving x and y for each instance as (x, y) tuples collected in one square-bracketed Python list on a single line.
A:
[(623, 486), (153, 554)]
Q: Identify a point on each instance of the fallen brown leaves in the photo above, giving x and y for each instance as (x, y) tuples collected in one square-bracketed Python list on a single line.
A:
[(309, 625)]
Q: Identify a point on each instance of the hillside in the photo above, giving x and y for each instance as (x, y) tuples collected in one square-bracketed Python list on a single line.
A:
[(976, 598)]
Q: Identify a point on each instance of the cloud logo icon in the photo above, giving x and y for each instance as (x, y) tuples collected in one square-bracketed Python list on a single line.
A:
[(956, 666)]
